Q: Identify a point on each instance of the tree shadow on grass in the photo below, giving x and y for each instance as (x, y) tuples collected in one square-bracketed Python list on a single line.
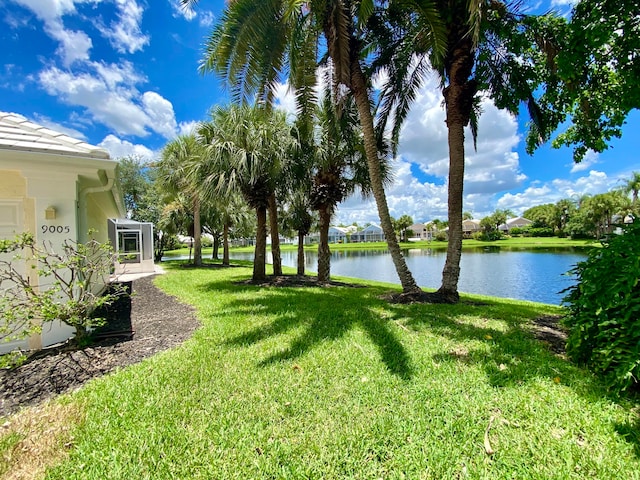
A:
[(630, 431), (509, 353), (324, 316), (510, 356)]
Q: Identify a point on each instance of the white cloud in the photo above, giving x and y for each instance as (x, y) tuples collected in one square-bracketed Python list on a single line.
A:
[(590, 159), (550, 192), (160, 113), (206, 19), (285, 99), (109, 95), (74, 45), (125, 34), (187, 128), (119, 148)]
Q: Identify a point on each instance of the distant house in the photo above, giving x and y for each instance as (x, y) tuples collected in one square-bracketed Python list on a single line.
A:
[(422, 231), (518, 222), (371, 233), (338, 235), (59, 188), (469, 227)]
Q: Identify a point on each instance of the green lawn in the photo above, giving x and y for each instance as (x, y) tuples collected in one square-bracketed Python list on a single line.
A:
[(297, 383)]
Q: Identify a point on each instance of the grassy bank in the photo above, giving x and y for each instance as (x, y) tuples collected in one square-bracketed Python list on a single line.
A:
[(516, 242), (337, 383)]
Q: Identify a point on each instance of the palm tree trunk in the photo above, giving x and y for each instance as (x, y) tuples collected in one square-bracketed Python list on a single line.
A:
[(259, 258), (275, 235), (324, 253), (300, 253), (215, 246), (197, 233), (361, 96), (459, 102), (451, 272), (225, 245)]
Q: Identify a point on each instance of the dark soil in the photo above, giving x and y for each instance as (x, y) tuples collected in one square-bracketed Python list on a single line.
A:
[(138, 326), (548, 330)]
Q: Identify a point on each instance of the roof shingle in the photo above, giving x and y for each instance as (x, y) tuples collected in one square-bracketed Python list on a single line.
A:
[(18, 133)]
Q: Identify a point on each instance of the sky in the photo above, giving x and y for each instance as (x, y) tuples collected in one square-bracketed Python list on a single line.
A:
[(123, 75)]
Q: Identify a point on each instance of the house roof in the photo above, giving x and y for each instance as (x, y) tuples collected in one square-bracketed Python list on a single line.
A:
[(18, 133)]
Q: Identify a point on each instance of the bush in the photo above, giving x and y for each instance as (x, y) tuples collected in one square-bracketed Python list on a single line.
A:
[(604, 310), (491, 236), (73, 278), (541, 232), (516, 231), (441, 237)]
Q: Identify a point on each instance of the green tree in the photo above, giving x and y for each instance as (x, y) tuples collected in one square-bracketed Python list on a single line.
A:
[(588, 65), (298, 219), (177, 173), (482, 51), (632, 186), (338, 167), (542, 216), (255, 41), (135, 182), (246, 147), (401, 225)]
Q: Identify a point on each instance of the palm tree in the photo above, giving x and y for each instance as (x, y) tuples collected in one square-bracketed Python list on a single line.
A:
[(246, 147), (255, 41), (633, 186), (478, 54), (299, 219), (177, 172), (339, 167)]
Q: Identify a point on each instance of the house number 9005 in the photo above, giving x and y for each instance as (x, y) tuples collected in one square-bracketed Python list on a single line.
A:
[(55, 229)]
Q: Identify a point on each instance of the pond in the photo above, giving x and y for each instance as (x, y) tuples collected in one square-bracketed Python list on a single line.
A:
[(537, 274)]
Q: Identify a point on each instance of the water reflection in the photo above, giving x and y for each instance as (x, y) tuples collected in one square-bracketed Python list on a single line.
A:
[(536, 275)]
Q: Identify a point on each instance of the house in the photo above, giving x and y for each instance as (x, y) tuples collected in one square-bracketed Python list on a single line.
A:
[(338, 235), (418, 231), (59, 188), (371, 233), (469, 227), (518, 222)]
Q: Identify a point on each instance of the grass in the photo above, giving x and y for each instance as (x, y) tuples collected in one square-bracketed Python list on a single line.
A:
[(509, 243), (337, 383)]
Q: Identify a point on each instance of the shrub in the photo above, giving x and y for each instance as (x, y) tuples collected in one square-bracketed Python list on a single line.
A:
[(604, 310), (72, 281), (490, 236), (441, 237), (516, 231), (541, 232)]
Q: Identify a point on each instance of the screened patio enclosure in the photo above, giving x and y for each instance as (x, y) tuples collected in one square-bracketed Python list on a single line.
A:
[(133, 245)]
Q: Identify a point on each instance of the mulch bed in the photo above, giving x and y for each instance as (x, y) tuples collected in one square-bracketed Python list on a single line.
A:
[(158, 322)]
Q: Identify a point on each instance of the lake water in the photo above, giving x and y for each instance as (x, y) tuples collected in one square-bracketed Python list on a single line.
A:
[(536, 275)]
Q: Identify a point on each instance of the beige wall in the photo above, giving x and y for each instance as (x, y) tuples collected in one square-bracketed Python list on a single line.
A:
[(79, 191), (17, 215)]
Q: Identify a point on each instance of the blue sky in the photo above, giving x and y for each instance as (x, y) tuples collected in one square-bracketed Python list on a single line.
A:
[(122, 74)]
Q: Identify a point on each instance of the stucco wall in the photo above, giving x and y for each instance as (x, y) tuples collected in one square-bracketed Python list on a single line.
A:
[(17, 215), (29, 185)]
